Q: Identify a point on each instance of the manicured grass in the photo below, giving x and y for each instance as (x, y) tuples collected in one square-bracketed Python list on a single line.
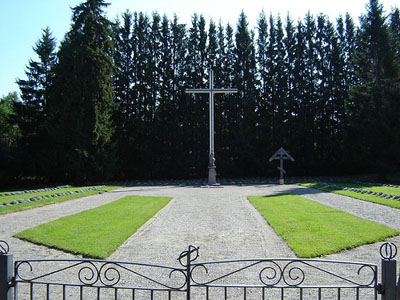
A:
[(42, 202), (366, 197), (313, 230), (97, 232)]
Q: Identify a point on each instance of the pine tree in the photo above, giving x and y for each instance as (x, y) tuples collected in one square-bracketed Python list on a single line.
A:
[(82, 100)]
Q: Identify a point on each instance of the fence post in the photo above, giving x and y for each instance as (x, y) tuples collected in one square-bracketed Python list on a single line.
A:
[(188, 270), (185, 259), (388, 251), (6, 271)]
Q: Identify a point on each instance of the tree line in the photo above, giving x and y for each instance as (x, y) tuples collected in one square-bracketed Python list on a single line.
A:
[(110, 101)]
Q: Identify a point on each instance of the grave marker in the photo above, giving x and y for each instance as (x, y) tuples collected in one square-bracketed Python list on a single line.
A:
[(281, 155)]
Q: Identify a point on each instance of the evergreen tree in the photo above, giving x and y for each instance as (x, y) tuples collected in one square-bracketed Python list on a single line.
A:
[(264, 130), (289, 66), (82, 100), (224, 103), (197, 112), (299, 94), (212, 48), (395, 29), (10, 154), (9, 132), (166, 110), (246, 99), (280, 92), (375, 97), (125, 112), (328, 92), (32, 112)]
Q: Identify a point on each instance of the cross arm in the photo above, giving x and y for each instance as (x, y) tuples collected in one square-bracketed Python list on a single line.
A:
[(197, 91), (225, 91)]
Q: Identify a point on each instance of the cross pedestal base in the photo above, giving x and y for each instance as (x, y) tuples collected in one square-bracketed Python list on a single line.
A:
[(281, 181), (212, 180)]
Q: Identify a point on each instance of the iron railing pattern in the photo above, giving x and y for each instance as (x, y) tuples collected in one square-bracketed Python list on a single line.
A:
[(279, 278)]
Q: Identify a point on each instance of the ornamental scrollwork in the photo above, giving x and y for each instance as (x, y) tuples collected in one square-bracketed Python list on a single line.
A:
[(4, 247)]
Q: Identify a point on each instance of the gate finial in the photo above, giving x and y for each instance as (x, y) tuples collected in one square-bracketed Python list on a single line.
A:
[(191, 249), (4, 247), (388, 250)]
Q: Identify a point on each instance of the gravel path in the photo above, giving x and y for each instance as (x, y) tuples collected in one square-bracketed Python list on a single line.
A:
[(220, 221), (378, 213)]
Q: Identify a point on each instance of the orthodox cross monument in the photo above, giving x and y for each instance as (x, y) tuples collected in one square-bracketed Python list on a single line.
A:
[(211, 91), (280, 155)]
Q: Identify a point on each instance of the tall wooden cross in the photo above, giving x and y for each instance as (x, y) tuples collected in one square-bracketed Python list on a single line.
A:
[(211, 91)]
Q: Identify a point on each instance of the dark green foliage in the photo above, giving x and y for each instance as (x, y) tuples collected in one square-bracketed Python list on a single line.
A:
[(9, 132), (10, 154), (113, 105), (375, 97), (82, 100), (32, 111)]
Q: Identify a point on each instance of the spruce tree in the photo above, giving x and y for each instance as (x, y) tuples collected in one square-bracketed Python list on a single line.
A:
[(375, 96), (263, 131), (289, 65), (246, 99), (32, 112), (123, 93), (82, 99), (11, 158)]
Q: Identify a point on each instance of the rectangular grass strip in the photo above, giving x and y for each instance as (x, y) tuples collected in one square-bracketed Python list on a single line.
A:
[(97, 232), (312, 229), (366, 197)]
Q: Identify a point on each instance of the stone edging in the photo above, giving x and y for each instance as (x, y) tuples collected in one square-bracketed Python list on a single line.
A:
[(362, 191), (34, 191), (51, 196)]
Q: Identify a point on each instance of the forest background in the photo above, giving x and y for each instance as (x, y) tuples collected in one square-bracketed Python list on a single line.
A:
[(109, 102)]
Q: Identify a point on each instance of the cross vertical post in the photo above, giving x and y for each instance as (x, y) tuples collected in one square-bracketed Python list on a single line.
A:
[(211, 91)]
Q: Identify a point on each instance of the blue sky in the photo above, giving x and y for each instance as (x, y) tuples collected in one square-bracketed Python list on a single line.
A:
[(22, 21)]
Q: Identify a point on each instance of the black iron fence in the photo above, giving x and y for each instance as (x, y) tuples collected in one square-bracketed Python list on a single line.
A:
[(230, 279)]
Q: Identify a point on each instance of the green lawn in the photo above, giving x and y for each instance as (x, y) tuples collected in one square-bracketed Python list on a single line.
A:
[(312, 229), (28, 205), (97, 232), (366, 197)]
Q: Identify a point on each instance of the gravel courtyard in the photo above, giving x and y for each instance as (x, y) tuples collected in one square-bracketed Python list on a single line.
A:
[(220, 221)]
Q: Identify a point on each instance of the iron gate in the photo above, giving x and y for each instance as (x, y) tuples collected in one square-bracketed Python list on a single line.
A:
[(230, 279)]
